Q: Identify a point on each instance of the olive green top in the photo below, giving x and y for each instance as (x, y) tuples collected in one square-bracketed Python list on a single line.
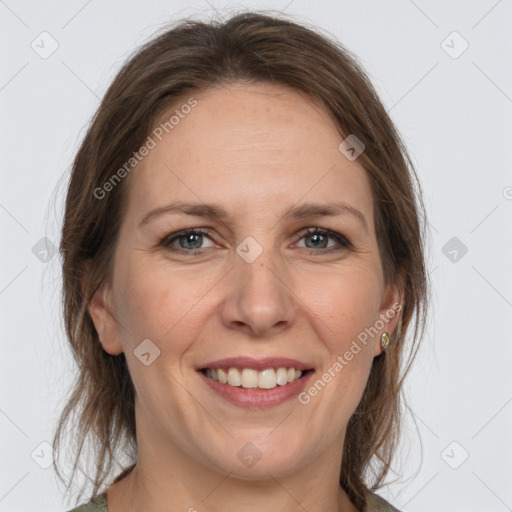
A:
[(94, 505), (375, 504)]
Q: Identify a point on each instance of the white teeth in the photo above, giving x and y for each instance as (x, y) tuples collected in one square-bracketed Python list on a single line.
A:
[(249, 378), (267, 379), (282, 376), (234, 377), (222, 376)]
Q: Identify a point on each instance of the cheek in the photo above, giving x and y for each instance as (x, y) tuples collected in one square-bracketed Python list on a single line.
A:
[(344, 304), (341, 306), (165, 307), (340, 311), (159, 304)]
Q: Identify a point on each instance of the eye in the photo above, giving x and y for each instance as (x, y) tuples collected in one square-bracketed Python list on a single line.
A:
[(319, 240), (189, 241)]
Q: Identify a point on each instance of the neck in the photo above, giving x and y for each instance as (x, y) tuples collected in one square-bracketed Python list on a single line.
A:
[(137, 492)]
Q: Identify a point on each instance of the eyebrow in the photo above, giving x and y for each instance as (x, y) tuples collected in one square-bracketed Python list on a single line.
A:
[(217, 212)]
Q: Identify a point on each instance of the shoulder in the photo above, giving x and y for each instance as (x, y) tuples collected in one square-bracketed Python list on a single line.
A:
[(376, 503), (98, 504)]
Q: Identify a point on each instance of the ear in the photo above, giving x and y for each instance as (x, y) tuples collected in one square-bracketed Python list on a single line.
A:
[(103, 317), (390, 313)]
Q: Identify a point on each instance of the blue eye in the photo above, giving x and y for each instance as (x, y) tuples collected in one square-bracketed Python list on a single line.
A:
[(320, 240), (190, 241)]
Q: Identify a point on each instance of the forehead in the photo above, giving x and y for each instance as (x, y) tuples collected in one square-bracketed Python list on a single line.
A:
[(252, 146)]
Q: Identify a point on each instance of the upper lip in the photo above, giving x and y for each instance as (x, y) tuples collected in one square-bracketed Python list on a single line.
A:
[(257, 364)]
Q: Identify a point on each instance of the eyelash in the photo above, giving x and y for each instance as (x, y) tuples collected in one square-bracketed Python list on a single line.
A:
[(343, 243)]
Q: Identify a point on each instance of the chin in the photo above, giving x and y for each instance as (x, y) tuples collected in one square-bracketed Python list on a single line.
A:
[(258, 460)]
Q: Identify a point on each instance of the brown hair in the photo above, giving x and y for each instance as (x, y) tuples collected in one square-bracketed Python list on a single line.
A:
[(193, 56)]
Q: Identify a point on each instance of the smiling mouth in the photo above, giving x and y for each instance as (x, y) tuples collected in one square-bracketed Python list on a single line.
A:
[(249, 378)]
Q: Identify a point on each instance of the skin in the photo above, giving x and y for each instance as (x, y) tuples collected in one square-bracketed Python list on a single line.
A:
[(256, 150)]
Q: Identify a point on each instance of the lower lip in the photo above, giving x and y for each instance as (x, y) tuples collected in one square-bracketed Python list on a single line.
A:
[(258, 398)]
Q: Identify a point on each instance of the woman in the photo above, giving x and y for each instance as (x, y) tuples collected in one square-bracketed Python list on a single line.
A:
[(242, 258)]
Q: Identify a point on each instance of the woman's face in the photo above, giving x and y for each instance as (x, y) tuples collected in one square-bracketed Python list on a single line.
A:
[(252, 167)]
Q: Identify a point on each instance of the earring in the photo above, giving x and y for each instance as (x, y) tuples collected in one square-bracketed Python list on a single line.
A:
[(384, 340)]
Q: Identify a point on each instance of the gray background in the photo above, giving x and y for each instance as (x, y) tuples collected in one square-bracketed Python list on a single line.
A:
[(454, 112)]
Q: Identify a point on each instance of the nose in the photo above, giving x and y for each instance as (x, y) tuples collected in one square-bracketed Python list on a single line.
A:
[(259, 300)]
